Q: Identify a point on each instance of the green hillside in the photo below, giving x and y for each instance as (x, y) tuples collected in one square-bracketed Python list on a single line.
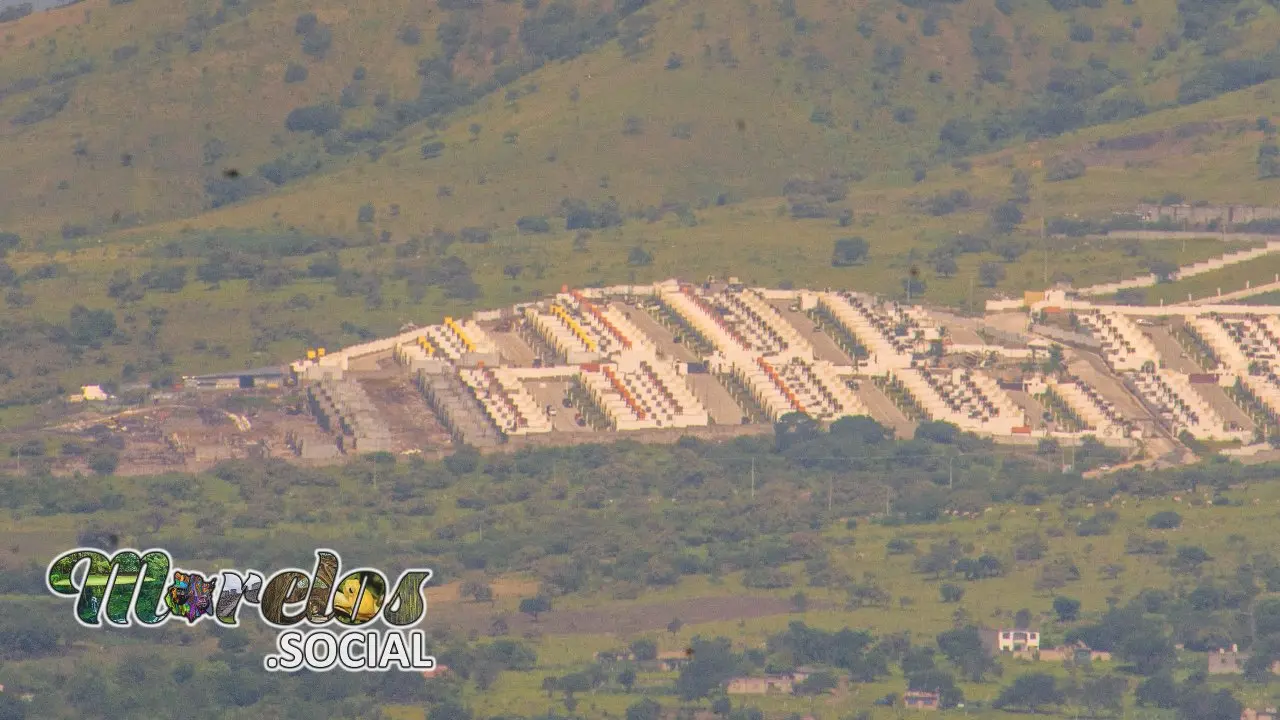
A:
[(543, 144)]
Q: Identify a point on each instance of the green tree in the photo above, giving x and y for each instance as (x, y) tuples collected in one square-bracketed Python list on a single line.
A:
[(990, 274), (849, 251), (1006, 216), (627, 678), (535, 606), (713, 663), (646, 709), (1031, 691), (644, 650), (1067, 609)]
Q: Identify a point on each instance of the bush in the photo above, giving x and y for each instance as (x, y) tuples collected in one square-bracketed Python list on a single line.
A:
[(849, 251), (474, 235), (305, 23), (533, 224), (15, 12), (409, 35), (1060, 168), (288, 167), (295, 73), (1081, 33), (432, 150), (9, 241), (1165, 520), (316, 119), (42, 108), (317, 41), (990, 274)]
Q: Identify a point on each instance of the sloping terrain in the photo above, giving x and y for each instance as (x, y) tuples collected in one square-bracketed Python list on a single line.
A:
[(518, 147), (692, 102)]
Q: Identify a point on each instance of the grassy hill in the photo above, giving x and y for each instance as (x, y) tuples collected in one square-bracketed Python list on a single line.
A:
[(545, 144)]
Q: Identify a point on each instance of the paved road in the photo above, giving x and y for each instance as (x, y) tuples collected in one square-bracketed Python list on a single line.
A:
[(1035, 411), (724, 410), (1172, 354), (824, 347), (1175, 358), (551, 392), (513, 349), (1093, 371), (963, 330), (884, 411), (657, 333)]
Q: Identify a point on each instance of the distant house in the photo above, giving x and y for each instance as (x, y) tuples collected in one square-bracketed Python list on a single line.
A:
[(90, 393), (673, 660), (1077, 653), (439, 671), (767, 685), (1251, 714), (921, 700), (614, 656), (1022, 643), (802, 673), (1232, 662), (1017, 640)]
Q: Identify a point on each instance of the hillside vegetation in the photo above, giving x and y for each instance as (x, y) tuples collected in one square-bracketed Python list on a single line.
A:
[(670, 547), (324, 173)]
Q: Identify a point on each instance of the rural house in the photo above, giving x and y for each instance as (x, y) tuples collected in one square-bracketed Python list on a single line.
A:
[(673, 660), (614, 656), (767, 685), (1077, 653), (921, 700), (1232, 662), (1251, 714)]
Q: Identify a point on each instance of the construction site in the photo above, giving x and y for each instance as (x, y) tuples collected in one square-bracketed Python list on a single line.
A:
[(717, 359)]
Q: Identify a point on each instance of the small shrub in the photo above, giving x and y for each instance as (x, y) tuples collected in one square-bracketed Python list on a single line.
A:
[(1059, 169), (295, 73), (1166, 520), (409, 35), (1081, 33)]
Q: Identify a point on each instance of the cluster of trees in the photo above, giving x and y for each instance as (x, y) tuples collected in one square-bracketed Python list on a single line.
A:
[(568, 515)]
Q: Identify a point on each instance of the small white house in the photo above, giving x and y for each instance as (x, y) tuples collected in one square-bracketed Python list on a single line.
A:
[(1018, 640)]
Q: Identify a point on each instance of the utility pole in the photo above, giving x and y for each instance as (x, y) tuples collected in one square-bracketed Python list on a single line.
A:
[(829, 481), (1044, 241), (753, 478)]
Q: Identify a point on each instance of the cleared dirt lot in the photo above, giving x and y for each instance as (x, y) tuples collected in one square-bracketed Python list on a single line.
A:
[(412, 424)]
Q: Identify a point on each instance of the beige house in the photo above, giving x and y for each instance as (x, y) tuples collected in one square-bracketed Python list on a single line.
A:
[(767, 685)]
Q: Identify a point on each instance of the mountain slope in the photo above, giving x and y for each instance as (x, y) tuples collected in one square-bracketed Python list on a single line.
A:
[(603, 145), (762, 93)]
